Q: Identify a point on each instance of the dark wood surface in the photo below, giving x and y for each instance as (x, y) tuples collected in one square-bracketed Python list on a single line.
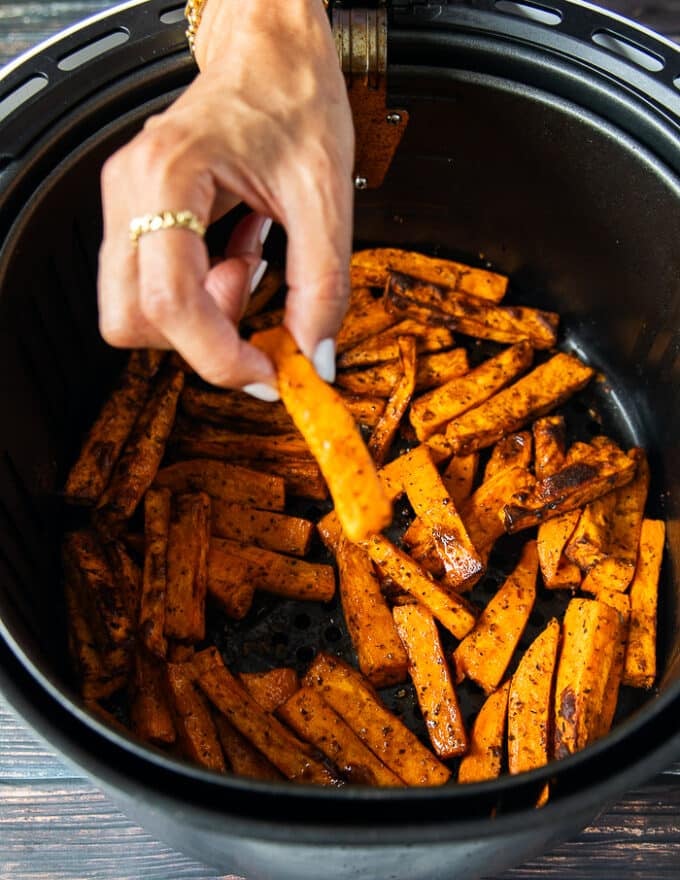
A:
[(54, 825)]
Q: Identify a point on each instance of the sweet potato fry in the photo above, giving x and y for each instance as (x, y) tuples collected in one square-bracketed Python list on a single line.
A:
[(271, 689), (301, 477), (333, 437), (545, 387), (431, 370), (198, 439), (621, 603), (589, 643), (640, 665), (264, 528), (451, 610), (96, 709), (459, 476), (557, 571), (229, 582), (353, 698), (469, 314), (313, 719), (380, 653), (377, 263), (274, 572), (383, 347), (586, 546), (365, 318), (222, 407), (195, 727), (151, 628), (616, 566), (104, 443), (187, 567), (515, 450), (433, 410), (142, 454), (549, 435), (262, 321), (431, 678), (228, 482), (178, 652), (367, 410), (530, 703), (485, 653), (264, 731), (128, 577), (243, 758), (485, 755), (388, 425), (272, 281), (433, 506), (599, 471), (150, 711)]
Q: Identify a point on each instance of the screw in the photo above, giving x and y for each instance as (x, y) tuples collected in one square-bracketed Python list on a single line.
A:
[(360, 182), (394, 118)]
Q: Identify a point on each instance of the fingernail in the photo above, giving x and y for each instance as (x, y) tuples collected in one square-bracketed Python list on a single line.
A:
[(264, 230), (324, 359), (262, 391), (257, 275)]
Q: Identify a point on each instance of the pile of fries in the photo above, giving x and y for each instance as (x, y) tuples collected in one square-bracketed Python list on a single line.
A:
[(186, 490)]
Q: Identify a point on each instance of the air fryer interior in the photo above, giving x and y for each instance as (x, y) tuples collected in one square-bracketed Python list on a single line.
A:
[(583, 217)]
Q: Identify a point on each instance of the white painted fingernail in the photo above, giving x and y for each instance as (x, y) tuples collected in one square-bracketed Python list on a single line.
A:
[(264, 231), (262, 391), (257, 275), (324, 359)]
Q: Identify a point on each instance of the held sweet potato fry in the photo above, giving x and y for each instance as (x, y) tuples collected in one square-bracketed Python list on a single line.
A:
[(388, 425), (485, 653), (353, 698), (431, 370), (432, 680), (380, 653), (640, 665), (451, 610), (151, 629), (187, 567), (530, 703), (545, 387), (90, 474), (264, 731), (242, 756), (332, 435), (195, 727), (229, 482), (271, 689), (468, 314), (142, 454), (377, 263), (433, 410), (485, 755), (150, 712), (383, 347), (264, 528), (589, 644), (515, 450), (311, 717)]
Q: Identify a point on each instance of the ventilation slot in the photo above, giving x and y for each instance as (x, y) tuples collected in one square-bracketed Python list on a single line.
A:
[(172, 15), (22, 94), (531, 11), (93, 50), (629, 51)]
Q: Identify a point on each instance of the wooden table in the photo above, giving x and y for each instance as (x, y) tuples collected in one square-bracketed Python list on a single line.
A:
[(54, 825)]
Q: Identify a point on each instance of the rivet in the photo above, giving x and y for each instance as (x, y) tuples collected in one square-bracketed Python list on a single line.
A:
[(360, 182), (394, 118)]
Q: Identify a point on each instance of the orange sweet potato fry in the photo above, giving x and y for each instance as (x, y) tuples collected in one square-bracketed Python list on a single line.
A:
[(155, 581), (354, 699), (333, 438), (459, 476), (377, 263), (589, 644), (221, 480), (313, 719), (485, 653), (640, 665), (549, 435), (264, 528), (432, 680), (367, 410), (187, 567), (365, 318), (209, 441), (271, 689), (380, 653), (243, 758), (272, 281), (236, 407), (553, 535), (195, 727), (388, 425), (515, 450), (485, 755), (142, 454), (433, 410), (229, 582), (150, 711), (301, 477), (621, 604), (264, 731), (530, 703), (383, 347), (586, 546), (452, 611), (431, 370)]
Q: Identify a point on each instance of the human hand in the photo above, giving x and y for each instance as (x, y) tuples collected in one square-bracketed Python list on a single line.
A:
[(266, 122)]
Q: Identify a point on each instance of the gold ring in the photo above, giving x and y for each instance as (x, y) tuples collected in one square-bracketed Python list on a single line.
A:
[(139, 226)]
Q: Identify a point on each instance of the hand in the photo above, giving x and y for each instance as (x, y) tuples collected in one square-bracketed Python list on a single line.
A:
[(266, 122)]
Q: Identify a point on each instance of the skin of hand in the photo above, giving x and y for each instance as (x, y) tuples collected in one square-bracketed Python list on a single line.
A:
[(266, 122)]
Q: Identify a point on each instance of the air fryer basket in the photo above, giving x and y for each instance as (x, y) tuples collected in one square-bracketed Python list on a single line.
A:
[(531, 147)]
